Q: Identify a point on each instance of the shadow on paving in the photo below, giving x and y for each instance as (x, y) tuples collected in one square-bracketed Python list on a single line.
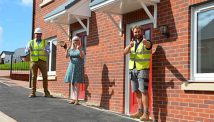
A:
[(15, 103)]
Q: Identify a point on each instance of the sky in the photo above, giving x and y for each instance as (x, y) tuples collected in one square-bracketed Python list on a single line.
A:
[(15, 24)]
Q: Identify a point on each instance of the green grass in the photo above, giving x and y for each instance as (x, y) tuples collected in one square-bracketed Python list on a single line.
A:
[(16, 66)]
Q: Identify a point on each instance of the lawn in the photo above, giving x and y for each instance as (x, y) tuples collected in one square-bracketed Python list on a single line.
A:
[(15, 66)]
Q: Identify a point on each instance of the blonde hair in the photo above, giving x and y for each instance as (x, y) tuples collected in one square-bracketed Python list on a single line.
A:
[(136, 27), (74, 39)]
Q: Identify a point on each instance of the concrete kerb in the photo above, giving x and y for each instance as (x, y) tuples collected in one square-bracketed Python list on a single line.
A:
[(94, 106), (25, 84)]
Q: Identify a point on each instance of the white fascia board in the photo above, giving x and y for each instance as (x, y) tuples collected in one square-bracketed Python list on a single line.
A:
[(98, 6), (155, 1), (51, 18)]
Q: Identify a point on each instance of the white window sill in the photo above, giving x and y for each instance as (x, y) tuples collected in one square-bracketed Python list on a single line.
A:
[(50, 77), (45, 2), (197, 86)]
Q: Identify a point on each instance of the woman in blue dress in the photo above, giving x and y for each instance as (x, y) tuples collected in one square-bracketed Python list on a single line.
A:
[(75, 70)]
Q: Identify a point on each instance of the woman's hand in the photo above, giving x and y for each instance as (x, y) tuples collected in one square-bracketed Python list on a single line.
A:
[(79, 47)]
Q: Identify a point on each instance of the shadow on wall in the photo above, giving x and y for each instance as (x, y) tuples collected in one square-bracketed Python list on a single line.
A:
[(87, 93), (106, 84), (166, 17), (160, 85)]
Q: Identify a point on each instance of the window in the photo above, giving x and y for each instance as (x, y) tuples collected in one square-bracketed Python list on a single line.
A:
[(51, 61), (202, 42), (45, 2)]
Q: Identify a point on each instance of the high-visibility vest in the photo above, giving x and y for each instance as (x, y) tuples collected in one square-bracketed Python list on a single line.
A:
[(141, 57), (38, 51)]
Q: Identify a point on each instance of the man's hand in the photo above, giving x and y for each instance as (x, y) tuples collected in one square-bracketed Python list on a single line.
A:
[(30, 49), (131, 44), (128, 48), (145, 42)]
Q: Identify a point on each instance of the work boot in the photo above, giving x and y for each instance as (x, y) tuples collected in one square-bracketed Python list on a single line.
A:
[(32, 95), (136, 115), (47, 94), (145, 117)]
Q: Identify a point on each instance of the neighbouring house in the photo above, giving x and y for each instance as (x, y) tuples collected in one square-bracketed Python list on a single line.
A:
[(181, 84), (19, 54), (5, 57), (25, 57)]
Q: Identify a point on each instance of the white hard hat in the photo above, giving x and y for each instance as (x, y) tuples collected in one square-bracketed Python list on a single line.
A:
[(38, 30)]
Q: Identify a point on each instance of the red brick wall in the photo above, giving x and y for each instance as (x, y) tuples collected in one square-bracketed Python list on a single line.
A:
[(23, 77), (105, 63), (171, 67)]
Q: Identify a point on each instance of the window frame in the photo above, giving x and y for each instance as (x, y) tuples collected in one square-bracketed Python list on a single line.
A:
[(194, 76), (51, 74), (50, 56)]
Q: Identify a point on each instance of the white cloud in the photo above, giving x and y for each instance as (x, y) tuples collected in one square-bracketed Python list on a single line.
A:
[(27, 2)]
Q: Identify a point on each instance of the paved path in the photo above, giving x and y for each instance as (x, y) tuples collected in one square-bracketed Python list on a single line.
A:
[(4, 73), (16, 106)]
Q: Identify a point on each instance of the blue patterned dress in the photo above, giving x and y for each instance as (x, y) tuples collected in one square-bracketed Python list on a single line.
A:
[(75, 71)]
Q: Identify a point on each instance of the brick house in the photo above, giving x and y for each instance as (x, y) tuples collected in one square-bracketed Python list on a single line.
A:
[(182, 79)]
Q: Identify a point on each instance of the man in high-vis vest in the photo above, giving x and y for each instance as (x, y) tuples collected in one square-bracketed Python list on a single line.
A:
[(39, 50), (140, 53)]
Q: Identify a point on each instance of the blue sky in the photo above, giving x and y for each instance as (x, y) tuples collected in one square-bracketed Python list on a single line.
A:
[(15, 24)]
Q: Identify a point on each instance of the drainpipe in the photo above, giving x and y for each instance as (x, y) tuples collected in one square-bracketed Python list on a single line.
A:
[(32, 37)]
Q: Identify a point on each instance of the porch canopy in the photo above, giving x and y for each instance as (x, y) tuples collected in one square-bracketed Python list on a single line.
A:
[(120, 7), (70, 12)]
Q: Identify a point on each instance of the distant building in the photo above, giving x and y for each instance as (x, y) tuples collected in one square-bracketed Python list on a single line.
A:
[(5, 57), (18, 55)]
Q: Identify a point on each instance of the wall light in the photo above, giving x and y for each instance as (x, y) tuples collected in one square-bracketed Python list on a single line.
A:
[(164, 30)]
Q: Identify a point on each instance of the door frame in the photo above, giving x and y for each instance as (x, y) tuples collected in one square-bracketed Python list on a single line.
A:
[(127, 82), (77, 31)]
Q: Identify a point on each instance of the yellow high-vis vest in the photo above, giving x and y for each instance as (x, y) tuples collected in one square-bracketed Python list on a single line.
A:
[(141, 57), (38, 51)]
